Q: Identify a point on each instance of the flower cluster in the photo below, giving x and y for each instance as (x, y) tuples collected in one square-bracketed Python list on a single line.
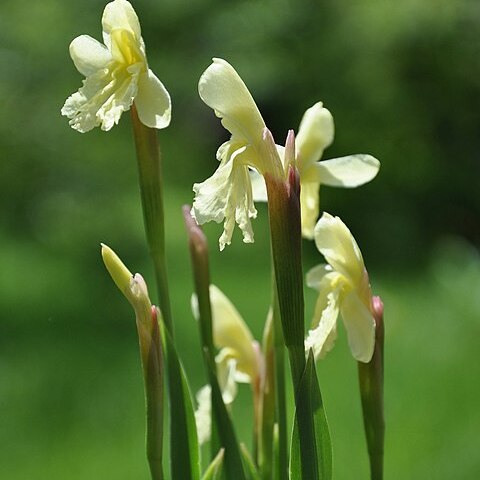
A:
[(251, 167), (229, 193)]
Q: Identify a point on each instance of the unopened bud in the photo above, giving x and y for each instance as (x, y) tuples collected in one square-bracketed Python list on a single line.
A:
[(377, 310), (120, 274), (290, 149)]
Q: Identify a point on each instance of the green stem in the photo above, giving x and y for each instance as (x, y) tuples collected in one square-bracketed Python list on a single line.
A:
[(285, 229), (153, 374), (223, 432), (281, 404), (257, 397), (151, 190), (370, 377), (284, 216), (201, 276)]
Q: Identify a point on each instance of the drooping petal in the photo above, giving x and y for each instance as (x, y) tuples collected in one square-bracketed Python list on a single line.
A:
[(203, 414), (222, 89), (210, 201), (315, 134), (322, 337), (226, 195), (82, 107), (349, 171), (360, 326), (226, 373), (103, 98), (310, 207), (89, 55), (231, 332), (153, 102), (337, 245), (120, 15), (316, 275), (259, 189)]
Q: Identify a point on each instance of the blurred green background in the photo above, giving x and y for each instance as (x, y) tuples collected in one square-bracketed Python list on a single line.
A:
[(402, 80)]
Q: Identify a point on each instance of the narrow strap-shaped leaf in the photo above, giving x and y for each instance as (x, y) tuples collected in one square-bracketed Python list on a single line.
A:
[(222, 427), (280, 390), (215, 469), (265, 438), (233, 465), (370, 377), (153, 367), (184, 452), (315, 462), (251, 471)]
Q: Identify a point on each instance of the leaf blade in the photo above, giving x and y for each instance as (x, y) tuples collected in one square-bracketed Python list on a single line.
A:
[(321, 449)]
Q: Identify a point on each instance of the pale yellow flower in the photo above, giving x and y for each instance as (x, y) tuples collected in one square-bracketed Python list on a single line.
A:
[(117, 75), (238, 361), (315, 134), (344, 289), (227, 195)]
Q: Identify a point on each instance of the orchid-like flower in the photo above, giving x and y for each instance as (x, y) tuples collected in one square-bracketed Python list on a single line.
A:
[(227, 195), (238, 361), (315, 134), (117, 75), (344, 289)]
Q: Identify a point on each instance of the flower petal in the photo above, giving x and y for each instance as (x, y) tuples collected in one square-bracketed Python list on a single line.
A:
[(120, 15), (316, 275), (322, 338), (105, 95), (258, 183), (349, 171), (259, 189), (203, 414), (82, 107), (310, 207), (315, 134), (227, 195), (360, 326), (153, 102), (89, 55), (226, 373), (231, 332), (222, 89), (337, 245)]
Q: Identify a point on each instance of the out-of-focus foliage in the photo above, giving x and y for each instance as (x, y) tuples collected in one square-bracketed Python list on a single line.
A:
[(402, 79)]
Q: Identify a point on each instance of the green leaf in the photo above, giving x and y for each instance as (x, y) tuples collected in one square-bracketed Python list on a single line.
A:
[(184, 451), (215, 469), (222, 427), (310, 456), (250, 469), (226, 433)]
